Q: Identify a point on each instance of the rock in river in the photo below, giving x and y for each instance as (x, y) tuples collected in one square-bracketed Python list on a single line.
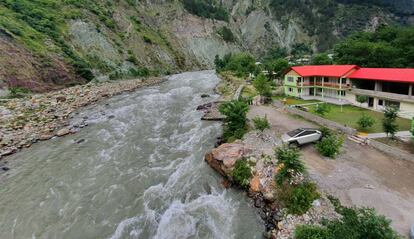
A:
[(223, 158), (63, 132)]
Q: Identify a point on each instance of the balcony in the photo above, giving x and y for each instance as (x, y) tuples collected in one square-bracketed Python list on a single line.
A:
[(384, 95), (325, 85)]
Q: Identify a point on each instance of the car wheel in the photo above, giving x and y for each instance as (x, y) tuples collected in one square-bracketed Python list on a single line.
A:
[(294, 144)]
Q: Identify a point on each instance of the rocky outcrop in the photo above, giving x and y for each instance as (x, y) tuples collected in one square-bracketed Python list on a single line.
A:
[(223, 158)]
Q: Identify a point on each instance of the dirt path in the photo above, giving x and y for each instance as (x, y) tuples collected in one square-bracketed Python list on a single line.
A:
[(359, 176)]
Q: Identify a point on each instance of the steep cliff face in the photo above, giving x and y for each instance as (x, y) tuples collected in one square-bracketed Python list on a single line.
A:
[(48, 44)]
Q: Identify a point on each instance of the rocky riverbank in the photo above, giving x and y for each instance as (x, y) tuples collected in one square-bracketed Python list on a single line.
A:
[(257, 149), (24, 121)]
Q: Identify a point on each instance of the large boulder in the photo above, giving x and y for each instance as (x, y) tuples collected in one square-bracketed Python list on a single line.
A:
[(223, 158)]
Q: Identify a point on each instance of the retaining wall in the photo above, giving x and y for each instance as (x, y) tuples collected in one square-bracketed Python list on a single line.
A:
[(392, 151), (319, 120)]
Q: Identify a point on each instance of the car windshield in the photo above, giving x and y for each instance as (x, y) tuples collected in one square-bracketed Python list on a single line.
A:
[(294, 132)]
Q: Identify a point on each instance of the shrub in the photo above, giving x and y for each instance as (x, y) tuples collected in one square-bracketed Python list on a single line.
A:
[(147, 39), (389, 122), (133, 59), (298, 199), (361, 99), (289, 164), (262, 85), (235, 123), (356, 223), (325, 131), (261, 123), (226, 34), (330, 146), (242, 173), (365, 122), (15, 92), (311, 232), (322, 109)]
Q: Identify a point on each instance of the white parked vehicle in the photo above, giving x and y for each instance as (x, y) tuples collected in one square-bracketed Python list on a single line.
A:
[(301, 136)]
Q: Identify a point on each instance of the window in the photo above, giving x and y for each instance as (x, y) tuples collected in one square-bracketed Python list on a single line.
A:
[(306, 133), (290, 79), (326, 79), (380, 102), (290, 89), (299, 91)]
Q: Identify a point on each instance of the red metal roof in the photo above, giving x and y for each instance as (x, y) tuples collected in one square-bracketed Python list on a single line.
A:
[(324, 70), (384, 74)]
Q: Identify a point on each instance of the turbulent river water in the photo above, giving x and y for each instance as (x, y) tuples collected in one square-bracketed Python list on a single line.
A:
[(139, 173)]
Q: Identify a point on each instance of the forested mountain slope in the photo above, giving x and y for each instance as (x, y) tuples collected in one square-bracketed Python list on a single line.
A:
[(47, 44)]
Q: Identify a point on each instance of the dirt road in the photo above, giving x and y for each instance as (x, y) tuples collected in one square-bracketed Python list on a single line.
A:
[(359, 176)]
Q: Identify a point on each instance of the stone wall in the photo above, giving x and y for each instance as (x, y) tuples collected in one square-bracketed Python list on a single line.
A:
[(392, 151), (317, 120)]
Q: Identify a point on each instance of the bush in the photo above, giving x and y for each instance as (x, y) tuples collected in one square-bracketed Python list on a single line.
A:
[(325, 131), (147, 39), (365, 122), (261, 123), (242, 173), (298, 199), (361, 99), (322, 109), (235, 123), (226, 34), (389, 122), (330, 146), (15, 92), (355, 223), (289, 164), (311, 232)]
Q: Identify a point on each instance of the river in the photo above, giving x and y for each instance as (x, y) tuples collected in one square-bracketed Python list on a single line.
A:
[(137, 171)]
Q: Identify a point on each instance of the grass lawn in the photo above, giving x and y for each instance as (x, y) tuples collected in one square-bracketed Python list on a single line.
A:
[(351, 114), (293, 101)]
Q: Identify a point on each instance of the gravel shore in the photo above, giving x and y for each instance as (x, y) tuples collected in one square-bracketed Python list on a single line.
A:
[(38, 117)]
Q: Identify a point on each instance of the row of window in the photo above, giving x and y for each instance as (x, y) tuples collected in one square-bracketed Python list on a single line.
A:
[(318, 79), (319, 90)]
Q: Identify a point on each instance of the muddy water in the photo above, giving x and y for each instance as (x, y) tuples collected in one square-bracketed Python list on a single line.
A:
[(139, 173)]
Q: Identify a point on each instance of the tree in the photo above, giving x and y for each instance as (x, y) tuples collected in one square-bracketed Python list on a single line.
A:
[(361, 99), (321, 59), (235, 123), (261, 123), (322, 109), (279, 66), (262, 85), (241, 64), (389, 121), (289, 164), (366, 122)]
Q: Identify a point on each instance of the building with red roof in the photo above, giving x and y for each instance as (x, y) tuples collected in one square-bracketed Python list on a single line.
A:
[(342, 84)]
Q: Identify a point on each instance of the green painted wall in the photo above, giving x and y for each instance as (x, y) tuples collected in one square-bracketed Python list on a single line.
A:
[(292, 85)]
